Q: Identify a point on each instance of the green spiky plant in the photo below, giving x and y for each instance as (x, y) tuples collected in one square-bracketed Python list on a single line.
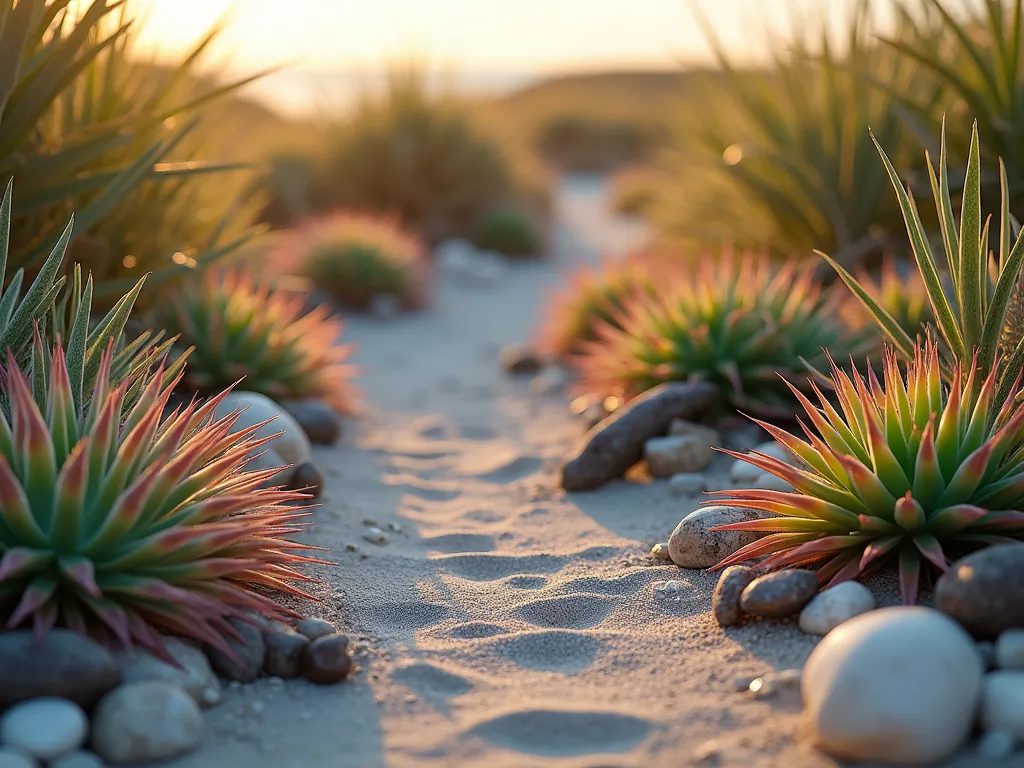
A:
[(735, 321), (239, 327), (355, 257), (123, 526), (910, 471), (86, 125), (588, 298), (58, 310), (970, 310)]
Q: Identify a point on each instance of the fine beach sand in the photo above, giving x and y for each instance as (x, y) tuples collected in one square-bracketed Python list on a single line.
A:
[(506, 623)]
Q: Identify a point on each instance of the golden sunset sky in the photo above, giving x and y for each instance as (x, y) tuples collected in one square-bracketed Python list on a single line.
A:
[(534, 35)]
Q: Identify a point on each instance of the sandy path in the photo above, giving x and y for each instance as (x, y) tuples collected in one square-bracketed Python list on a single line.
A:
[(506, 624)]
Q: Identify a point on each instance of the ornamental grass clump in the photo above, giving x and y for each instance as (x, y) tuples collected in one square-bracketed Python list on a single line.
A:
[(239, 327), (126, 526), (356, 257), (735, 321), (907, 470)]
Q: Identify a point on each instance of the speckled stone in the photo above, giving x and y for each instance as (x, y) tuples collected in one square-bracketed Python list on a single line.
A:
[(725, 603), (694, 545), (780, 594)]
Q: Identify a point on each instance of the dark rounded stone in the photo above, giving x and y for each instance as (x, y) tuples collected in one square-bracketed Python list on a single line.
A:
[(780, 594), (617, 443), (285, 648), (245, 662), (985, 590), (64, 664), (327, 659), (306, 477), (319, 421), (725, 603), (520, 358)]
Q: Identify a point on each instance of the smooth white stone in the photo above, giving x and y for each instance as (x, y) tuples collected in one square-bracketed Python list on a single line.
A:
[(195, 675), (897, 685), (834, 606), (1002, 702), (45, 728), (1010, 649), (141, 722)]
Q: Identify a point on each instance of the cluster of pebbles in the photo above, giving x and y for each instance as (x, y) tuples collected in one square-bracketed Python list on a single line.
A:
[(67, 702)]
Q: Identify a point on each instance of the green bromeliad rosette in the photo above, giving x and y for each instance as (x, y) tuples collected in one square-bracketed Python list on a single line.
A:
[(908, 470), (124, 526)]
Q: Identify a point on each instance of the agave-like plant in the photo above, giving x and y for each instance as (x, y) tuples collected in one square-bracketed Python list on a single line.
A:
[(910, 471), (590, 297), (737, 322), (239, 327), (58, 310), (970, 311), (120, 526)]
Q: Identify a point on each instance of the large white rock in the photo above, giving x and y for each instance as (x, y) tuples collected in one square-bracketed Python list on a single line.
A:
[(898, 685), (193, 672), (742, 472), (45, 728), (144, 722), (292, 445), (694, 545), (1002, 702), (835, 606)]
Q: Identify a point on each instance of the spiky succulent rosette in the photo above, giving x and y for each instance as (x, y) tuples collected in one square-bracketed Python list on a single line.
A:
[(239, 328), (588, 297), (903, 296), (736, 321), (911, 471), (121, 526)]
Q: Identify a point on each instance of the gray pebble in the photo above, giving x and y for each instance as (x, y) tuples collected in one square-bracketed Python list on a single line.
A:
[(725, 603), (284, 652), (143, 722), (1010, 649), (13, 758), (77, 759), (780, 594), (996, 745), (246, 663), (686, 484), (319, 421), (660, 552), (314, 628)]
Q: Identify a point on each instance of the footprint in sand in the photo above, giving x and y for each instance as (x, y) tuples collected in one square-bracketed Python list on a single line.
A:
[(570, 612), (526, 582), (498, 463), (554, 733), (475, 630), (555, 650), (432, 682), (620, 586), (487, 567), (459, 543)]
